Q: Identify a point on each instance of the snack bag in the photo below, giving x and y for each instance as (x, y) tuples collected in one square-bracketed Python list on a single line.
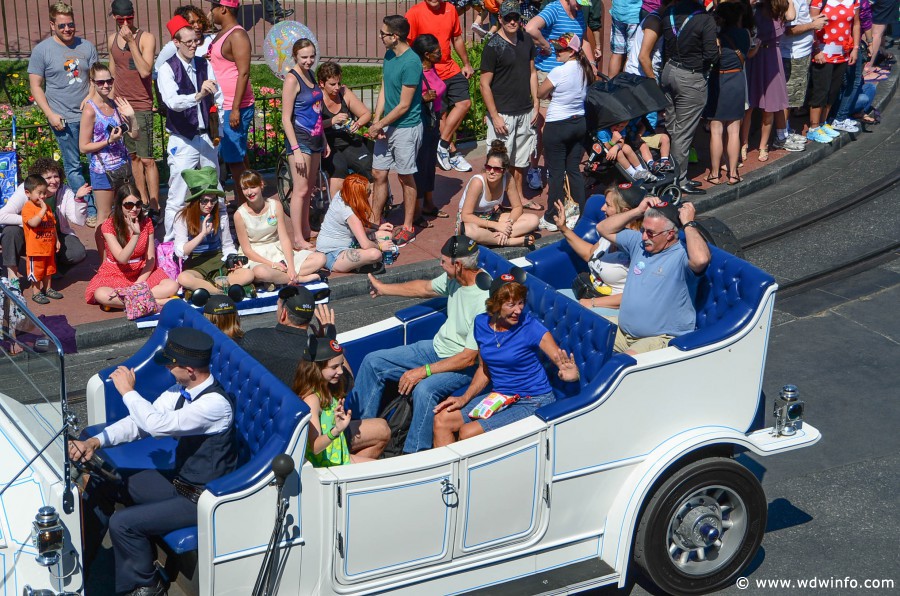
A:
[(493, 402)]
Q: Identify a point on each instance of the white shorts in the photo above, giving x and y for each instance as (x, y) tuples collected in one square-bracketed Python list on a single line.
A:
[(398, 150), (521, 139)]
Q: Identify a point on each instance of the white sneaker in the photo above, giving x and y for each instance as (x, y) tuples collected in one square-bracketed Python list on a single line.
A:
[(459, 163), (479, 30), (550, 227), (535, 181), (788, 145), (848, 125), (798, 139), (443, 158)]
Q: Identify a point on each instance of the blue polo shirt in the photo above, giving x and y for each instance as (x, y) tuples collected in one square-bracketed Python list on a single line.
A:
[(657, 295), (513, 357)]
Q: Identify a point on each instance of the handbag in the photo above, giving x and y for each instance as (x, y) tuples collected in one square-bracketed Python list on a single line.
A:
[(573, 210), (492, 403), (139, 300), (168, 262)]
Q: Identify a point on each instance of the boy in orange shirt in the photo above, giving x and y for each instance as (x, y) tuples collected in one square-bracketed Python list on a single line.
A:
[(41, 243)]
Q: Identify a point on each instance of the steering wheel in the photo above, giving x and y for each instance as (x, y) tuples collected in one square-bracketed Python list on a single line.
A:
[(98, 467)]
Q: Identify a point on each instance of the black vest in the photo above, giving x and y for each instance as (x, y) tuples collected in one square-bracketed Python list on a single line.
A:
[(185, 123), (202, 458)]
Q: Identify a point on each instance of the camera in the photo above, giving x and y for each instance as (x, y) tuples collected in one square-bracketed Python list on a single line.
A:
[(123, 127), (233, 260)]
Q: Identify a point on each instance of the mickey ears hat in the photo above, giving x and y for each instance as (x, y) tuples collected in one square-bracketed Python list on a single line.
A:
[(298, 300), (185, 346), (176, 24), (670, 210), (219, 304), (321, 349), (484, 281), (632, 194), (204, 181), (459, 246)]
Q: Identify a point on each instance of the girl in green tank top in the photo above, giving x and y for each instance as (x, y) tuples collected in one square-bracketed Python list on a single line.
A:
[(319, 381)]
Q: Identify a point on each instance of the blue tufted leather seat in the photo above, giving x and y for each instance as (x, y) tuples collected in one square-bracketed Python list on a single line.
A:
[(266, 415)]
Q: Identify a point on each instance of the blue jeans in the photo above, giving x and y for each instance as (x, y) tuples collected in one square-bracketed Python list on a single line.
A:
[(853, 79), (67, 139), (389, 365)]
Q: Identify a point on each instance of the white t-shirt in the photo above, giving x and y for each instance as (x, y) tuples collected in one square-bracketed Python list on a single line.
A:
[(335, 234), (798, 46), (633, 63), (611, 268), (569, 90)]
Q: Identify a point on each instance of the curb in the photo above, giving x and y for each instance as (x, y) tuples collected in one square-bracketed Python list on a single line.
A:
[(102, 333)]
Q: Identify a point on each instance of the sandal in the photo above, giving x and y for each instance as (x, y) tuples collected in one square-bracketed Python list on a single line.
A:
[(529, 241), (732, 180), (51, 293), (763, 154), (438, 213), (423, 223), (714, 180), (532, 206), (323, 274), (744, 150), (41, 298)]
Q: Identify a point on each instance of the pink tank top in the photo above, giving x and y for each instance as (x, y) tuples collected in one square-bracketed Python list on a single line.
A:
[(227, 74)]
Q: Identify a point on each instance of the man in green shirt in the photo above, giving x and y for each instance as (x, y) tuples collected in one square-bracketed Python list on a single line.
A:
[(397, 124), (431, 369)]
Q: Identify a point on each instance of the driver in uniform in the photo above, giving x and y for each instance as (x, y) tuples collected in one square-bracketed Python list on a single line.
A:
[(196, 410)]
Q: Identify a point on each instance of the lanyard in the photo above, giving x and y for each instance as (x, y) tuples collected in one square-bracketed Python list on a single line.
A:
[(676, 30)]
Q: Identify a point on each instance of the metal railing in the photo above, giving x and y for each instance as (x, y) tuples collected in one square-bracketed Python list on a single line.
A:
[(266, 136), (345, 29)]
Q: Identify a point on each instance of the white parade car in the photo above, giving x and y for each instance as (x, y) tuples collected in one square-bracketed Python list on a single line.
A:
[(632, 464)]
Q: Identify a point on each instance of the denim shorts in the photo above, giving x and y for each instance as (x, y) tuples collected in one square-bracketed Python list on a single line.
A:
[(233, 143), (621, 36), (100, 181), (523, 408), (332, 256)]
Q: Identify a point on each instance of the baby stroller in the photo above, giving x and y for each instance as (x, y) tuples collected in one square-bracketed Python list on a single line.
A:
[(624, 98)]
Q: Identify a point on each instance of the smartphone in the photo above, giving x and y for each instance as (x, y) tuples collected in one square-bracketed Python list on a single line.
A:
[(123, 127)]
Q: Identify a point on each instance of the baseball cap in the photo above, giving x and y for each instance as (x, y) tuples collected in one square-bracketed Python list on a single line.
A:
[(510, 7), (567, 41), (122, 8), (460, 246), (234, 3), (298, 300)]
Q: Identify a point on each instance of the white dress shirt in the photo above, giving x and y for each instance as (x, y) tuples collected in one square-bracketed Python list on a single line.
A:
[(168, 88), (208, 415)]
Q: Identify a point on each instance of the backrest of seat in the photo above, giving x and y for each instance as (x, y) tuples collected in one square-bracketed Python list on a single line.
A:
[(266, 411), (728, 294), (577, 330)]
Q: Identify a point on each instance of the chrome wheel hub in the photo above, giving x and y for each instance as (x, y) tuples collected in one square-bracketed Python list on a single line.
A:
[(706, 530)]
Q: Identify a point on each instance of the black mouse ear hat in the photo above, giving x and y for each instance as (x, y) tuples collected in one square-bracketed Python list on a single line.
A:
[(485, 282)]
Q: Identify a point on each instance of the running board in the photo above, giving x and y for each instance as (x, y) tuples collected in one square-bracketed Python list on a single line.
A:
[(589, 573)]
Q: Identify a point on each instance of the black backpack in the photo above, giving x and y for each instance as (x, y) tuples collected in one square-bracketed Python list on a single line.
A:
[(398, 414)]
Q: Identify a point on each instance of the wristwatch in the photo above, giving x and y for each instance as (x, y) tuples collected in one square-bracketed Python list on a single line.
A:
[(691, 224)]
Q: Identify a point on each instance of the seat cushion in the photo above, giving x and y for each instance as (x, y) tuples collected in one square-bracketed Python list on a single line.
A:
[(182, 540)]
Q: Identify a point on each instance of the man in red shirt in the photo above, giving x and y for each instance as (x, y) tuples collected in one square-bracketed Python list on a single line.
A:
[(440, 19)]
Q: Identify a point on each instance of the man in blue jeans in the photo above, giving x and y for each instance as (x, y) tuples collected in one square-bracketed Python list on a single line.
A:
[(431, 369), (60, 63)]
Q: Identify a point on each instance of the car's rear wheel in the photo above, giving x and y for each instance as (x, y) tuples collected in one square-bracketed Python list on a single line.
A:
[(701, 527)]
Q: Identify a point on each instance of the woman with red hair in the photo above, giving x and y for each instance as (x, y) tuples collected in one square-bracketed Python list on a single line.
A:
[(346, 237)]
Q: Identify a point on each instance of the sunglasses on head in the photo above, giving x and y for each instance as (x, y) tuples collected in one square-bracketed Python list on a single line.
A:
[(129, 205)]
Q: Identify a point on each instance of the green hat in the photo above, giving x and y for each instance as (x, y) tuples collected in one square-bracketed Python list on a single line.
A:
[(204, 181)]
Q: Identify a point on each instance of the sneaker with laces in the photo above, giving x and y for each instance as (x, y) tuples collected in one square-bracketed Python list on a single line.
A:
[(550, 227), (830, 131), (800, 139), (847, 125), (665, 166), (788, 145), (402, 236), (818, 135), (443, 158), (479, 30), (459, 163), (535, 181)]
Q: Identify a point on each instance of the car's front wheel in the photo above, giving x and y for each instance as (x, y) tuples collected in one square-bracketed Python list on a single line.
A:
[(701, 527)]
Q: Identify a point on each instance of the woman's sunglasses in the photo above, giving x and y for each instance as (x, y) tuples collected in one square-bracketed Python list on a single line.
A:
[(105, 82), (494, 169), (206, 201), (128, 205)]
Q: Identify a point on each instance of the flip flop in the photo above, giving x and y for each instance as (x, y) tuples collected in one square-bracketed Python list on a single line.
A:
[(423, 223), (438, 213), (875, 77), (532, 206)]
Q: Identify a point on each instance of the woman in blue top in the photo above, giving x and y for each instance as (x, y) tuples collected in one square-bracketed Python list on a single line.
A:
[(304, 136), (510, 342)]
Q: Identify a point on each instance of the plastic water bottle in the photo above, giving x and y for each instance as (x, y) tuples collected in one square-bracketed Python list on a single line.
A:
[(390, 255)]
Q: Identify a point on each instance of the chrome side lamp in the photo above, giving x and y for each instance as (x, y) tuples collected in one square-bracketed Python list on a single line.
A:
[(788, 411), (47, 536)]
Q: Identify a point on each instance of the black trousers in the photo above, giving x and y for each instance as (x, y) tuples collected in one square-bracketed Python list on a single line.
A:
[(563, 150), (154, 509), (12, 239)]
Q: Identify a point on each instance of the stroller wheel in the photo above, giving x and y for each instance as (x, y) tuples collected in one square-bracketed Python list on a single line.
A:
[(671, 194)]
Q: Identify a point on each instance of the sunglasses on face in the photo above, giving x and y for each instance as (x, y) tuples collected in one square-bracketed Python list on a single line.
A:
[(493, 169), (121, 19), (511, 18), (104, 82), (65, 26), (206, 201), (128, 205), (383, 34), (651, 234)]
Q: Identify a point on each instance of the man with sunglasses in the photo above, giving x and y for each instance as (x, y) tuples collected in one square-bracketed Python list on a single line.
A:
[(58, 76), (280, 348), (509, 88), (188, 88), (432, 369), (131, 51), (656, 303)]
